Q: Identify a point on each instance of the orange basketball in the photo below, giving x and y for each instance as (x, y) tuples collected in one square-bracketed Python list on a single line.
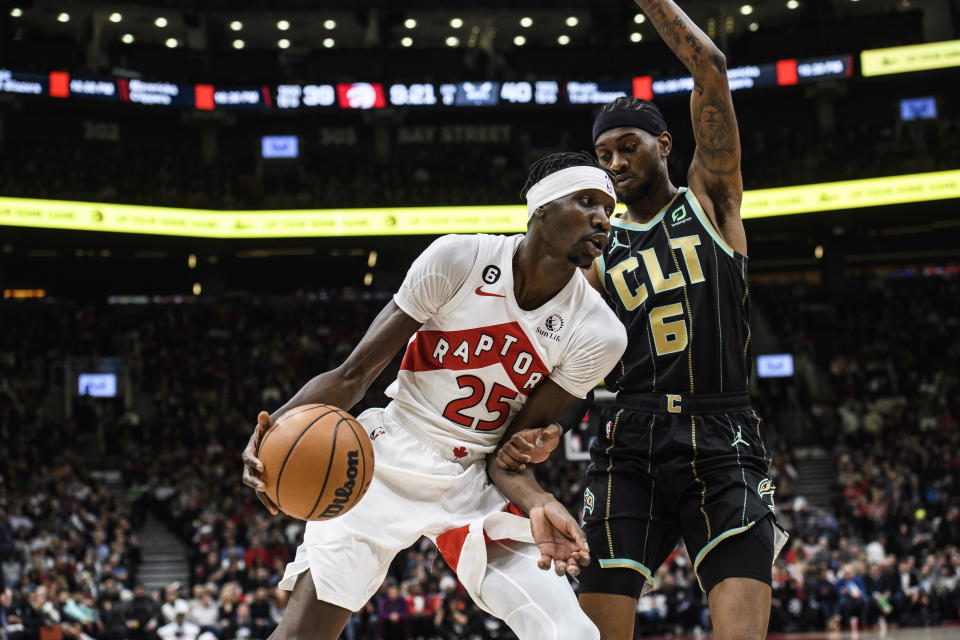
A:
[(317, 462)]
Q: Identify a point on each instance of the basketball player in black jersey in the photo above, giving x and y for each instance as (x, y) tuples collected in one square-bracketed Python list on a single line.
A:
[(680, 454)]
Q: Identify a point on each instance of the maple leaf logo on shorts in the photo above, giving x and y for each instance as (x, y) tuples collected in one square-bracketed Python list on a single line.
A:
[(460, 452)]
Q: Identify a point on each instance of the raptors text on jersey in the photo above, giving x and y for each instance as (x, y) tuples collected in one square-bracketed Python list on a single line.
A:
[(478, 356)]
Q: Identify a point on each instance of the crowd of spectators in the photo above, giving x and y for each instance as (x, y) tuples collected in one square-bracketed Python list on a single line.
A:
[(885, 552), (854, 151), (69, 550), (888, 549), (158, 172), (164, 176)]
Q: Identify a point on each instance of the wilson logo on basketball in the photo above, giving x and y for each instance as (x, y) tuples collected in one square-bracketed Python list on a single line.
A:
[(343, 493)]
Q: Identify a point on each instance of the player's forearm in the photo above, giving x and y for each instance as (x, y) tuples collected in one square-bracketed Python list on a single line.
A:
[(339, 388), (694, 48), (345, 386), (522, 489)]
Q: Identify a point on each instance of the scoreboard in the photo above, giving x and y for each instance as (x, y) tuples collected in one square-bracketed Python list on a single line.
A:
[(374, 95)]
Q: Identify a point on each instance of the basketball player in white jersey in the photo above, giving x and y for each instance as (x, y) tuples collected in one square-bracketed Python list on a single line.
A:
[(497, 330)]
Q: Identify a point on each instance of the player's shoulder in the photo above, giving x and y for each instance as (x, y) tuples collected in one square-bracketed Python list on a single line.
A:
[(453, 248), (593, 311), (459, 242), (588, 298), (454, 241)]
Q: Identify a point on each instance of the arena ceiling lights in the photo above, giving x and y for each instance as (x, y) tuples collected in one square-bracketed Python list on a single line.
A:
[(200, 223)]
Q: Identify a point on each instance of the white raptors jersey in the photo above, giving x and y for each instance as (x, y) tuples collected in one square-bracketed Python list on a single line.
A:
[(471, 366)]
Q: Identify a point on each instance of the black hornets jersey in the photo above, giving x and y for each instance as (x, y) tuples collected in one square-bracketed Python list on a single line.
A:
[(682, 294)]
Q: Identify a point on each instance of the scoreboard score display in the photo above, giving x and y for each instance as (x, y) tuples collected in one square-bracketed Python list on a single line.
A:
[(374, 95)]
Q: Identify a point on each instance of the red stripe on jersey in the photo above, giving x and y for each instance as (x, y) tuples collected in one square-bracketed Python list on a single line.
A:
[(450, 543), (468, 349)]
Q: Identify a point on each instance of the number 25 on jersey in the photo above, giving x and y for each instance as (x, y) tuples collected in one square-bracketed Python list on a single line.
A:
[(495, 404)]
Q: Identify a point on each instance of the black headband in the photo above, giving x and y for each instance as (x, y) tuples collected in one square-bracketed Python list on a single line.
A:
[(649, 121)]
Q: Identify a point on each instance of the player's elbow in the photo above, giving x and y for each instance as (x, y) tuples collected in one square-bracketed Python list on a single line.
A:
[(718, 61), (355, 376)]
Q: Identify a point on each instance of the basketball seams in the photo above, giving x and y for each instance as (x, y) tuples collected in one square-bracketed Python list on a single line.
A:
[(302, 408), (286, 454), (293, 447), (289, 414), (326, 476), (361, 489)]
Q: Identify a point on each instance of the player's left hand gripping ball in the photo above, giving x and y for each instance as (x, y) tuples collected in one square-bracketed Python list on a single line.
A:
[(252, 467), (314, 463)]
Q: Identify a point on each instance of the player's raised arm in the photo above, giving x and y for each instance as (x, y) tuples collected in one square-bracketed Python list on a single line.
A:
[(714, 174)]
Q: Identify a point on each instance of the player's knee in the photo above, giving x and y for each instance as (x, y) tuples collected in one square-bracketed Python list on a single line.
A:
[(309, 618), (739, 630), (578, 625), (530, 622)]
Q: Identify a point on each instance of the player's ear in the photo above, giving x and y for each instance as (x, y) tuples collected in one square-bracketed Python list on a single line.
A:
[(665, 142), (537, 216)]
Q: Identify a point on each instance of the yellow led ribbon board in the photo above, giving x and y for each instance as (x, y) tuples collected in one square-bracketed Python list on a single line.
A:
[(915, 57), (851, 194), (332, 223)]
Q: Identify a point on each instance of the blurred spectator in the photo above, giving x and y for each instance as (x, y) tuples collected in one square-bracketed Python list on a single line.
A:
[(204, 611), (394, 613), (180, 628)]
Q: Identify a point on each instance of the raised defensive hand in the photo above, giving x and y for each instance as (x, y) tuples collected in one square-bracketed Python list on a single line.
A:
[(252, 467), (529, 446), (559, 538)]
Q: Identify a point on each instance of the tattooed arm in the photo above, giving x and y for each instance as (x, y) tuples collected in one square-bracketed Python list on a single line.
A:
[(714, 175)]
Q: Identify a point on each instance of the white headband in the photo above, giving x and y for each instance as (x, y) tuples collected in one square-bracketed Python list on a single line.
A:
[(566, 181)]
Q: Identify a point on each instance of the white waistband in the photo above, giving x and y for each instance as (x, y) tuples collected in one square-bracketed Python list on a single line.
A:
[(408, 422)]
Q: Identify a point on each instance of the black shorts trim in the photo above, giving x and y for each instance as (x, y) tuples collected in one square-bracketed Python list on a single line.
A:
[(744, 552), (684, 403), (617, 576), (658, 478)]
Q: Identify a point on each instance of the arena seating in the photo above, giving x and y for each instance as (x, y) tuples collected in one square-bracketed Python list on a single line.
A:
[(145, 164), (885, 552)]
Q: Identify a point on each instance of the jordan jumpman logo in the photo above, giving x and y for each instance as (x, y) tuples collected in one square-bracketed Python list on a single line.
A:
[(739, 439), (616, 242)]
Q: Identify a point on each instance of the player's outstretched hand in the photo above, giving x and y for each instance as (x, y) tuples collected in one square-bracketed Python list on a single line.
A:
[(529, 446), (559, 538), (252, 467)]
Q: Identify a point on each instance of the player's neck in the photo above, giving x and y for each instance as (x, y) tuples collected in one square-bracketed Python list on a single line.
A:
[(643, 210), (538, 274)]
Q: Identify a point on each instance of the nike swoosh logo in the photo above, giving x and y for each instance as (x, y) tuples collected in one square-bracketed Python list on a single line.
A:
[(480, 292)]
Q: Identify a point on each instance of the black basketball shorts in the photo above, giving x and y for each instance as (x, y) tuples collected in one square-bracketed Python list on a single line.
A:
[(666, 467)]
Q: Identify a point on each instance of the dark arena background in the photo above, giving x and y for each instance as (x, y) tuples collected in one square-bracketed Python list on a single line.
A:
[(204, 204)]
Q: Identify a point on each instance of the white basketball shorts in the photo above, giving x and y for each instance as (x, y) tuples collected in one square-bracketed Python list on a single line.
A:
[(415, 492)]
